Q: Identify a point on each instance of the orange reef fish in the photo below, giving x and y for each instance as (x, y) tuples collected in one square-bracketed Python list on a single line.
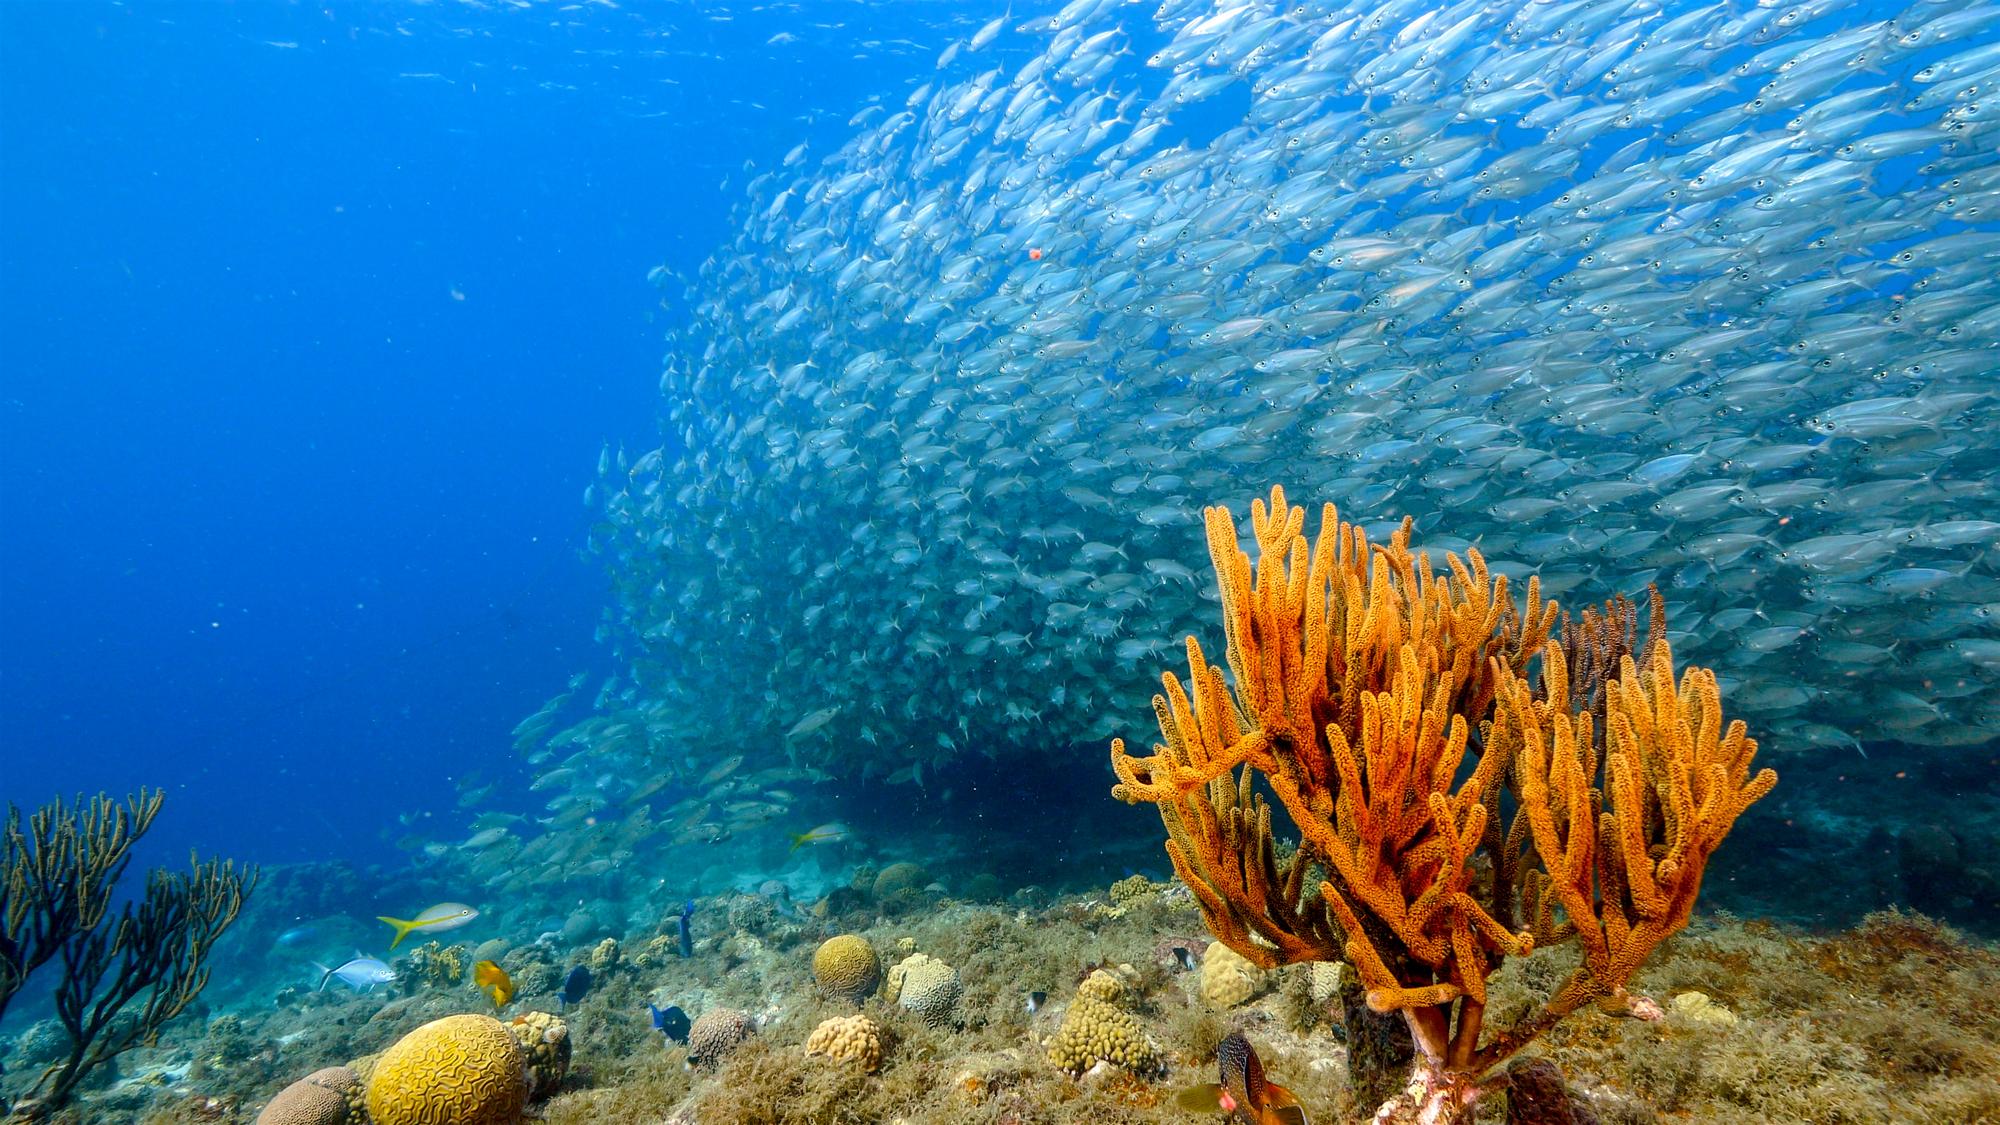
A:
[(443, 916), (494, 982), (1243, 1094)]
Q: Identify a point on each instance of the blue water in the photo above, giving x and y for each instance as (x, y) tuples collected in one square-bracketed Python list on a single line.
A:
[(312, 322)]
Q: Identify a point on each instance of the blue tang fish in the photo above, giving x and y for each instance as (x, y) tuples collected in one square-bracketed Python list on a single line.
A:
[(671, 1022)]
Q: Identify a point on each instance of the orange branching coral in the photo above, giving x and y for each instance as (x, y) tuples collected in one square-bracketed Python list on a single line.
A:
[(1363, 680)]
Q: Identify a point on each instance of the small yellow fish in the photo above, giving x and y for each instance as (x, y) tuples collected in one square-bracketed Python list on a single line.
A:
[(494, 982), (824, 834)]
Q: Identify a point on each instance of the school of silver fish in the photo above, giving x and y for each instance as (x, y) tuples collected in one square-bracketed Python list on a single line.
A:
[(1618, 291)]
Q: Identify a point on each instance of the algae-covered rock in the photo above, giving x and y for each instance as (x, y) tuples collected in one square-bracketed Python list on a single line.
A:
[(545, 1050), (436, 965)]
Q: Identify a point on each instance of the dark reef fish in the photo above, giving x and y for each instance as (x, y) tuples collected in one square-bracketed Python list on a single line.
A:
[(671, 1022), (575, 986), (687, 934), (1243, 1094)]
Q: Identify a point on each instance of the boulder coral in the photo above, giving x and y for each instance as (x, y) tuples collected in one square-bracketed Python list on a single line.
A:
[(899, 880), (1096, 1030), (927, 986), (1228, 978), (855, 1039), (717, 1032), (331, 1096), (846, 967), (460, 1070)]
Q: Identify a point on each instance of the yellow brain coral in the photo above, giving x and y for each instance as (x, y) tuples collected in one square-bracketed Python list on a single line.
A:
[(460, 1070), (1095, 1031), (850, 1039), (846, 967), (927, 986)]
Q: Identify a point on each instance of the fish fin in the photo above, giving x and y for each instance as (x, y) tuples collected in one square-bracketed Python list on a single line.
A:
[(1205, 1098), (1277, 1097), (1289, 1115), (403, 928)]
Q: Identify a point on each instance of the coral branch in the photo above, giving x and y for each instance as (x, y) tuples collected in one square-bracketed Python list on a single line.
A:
[(1364, 677), (122, 980)]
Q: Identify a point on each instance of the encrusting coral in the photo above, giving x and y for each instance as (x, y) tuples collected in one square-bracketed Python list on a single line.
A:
[(1363, 678), (545, 1046), (437, 965)]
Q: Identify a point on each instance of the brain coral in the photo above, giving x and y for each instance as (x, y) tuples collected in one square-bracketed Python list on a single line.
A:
[(716, 1033), (850, 1039), (927, 986), (846, 967), (1094, 1031), (899, 879), (320, 1098), (460, 1070), (1228, 978), (545, 1047)]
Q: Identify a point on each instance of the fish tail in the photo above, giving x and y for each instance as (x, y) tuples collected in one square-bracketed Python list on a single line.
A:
[(325, 974), (798, 841), (403, 928)]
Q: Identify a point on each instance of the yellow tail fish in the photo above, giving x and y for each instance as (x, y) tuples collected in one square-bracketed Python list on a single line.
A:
[(443, 916)]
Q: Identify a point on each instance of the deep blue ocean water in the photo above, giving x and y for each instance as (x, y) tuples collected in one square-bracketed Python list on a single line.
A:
[(313, 319)]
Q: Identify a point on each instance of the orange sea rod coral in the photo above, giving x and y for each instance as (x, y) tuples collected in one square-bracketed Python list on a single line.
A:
[(1387, 707)]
